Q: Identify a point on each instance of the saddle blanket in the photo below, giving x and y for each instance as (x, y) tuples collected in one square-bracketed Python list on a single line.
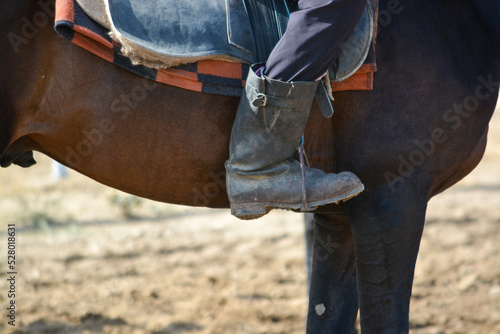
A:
[(208, 76)]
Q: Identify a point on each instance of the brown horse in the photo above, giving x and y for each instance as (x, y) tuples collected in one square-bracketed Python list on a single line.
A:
[(420, 130)]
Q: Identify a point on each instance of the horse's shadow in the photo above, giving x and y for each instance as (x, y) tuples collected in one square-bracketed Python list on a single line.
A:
[(97, 323)]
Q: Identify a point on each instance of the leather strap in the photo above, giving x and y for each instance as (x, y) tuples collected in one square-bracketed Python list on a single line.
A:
[(258, 99), (324, 101)]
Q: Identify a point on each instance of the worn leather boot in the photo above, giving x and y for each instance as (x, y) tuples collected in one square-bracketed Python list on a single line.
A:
[(261, 173)]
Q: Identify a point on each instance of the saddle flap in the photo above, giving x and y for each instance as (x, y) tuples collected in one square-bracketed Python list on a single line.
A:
[(239, 32), (169, 32), (356, 48), (178, 29)]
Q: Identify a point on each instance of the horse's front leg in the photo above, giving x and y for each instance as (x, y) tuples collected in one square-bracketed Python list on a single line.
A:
[(309, 239), (387, 227), (333, 304)]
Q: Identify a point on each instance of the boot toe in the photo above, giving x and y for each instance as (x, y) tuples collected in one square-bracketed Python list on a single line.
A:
[(324, 188)]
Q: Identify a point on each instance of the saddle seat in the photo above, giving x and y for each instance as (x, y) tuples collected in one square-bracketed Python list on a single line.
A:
[(165, 33)]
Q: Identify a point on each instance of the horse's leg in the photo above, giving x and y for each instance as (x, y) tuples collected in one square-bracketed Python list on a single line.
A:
[(309, 235), (387, 228), (333, 305)]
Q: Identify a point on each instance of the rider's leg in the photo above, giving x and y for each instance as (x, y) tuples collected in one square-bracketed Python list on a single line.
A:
[(271, 117), (313, 39)]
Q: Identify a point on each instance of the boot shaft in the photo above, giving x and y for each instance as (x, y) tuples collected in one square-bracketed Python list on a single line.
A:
[(270, 121)]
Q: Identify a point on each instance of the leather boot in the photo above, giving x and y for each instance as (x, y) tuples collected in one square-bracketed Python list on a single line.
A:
[(261, 173)]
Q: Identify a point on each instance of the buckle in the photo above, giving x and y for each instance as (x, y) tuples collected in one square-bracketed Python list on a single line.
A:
[(260, 100)]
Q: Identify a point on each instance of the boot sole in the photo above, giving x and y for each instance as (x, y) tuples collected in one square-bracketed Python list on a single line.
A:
[(254, 210)]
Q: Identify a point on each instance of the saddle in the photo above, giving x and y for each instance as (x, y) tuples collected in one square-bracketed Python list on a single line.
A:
[(165, 33)]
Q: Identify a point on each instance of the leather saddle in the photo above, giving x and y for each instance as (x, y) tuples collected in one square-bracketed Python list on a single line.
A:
[(166, 33)]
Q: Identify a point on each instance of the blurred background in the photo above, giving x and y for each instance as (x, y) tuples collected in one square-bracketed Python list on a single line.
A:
[(92, 259)]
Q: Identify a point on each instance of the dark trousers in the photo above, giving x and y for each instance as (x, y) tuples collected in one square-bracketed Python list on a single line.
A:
[(313, 39)]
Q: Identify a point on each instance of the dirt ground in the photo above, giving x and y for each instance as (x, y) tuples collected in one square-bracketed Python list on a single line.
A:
[(85, 268)]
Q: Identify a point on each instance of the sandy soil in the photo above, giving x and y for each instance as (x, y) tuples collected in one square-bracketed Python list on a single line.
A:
[(84, 268)]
